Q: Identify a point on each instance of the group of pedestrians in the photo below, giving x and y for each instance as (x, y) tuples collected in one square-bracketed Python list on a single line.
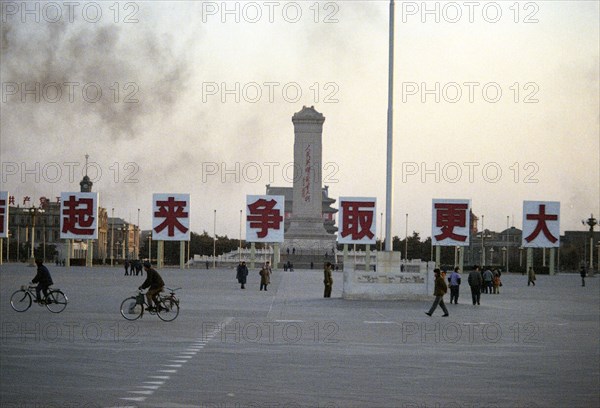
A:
[(265, 275), (133, 268), (479, 282)]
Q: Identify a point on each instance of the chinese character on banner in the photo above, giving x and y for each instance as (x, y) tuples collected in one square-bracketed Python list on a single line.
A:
[(171, 217), (358, 220), (450, 222), (264, 218), (541, 224), (79, 216), (3, 214)]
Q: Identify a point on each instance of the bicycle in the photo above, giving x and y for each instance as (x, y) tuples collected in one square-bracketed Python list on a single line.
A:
[(21, 300), (167, 310)]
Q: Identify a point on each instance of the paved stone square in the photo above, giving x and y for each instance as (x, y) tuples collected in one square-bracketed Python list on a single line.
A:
[(290, 347)]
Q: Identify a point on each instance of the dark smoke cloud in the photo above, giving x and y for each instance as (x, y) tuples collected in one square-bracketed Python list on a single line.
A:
[(91, 53)]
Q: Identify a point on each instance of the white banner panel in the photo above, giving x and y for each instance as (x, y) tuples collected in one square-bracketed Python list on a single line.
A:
[(171, 217), (450, 222), (78, 215), (357, 220), (264, 218), (541, 224)]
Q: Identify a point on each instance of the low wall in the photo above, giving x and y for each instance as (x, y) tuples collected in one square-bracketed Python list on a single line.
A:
[(393, 279)]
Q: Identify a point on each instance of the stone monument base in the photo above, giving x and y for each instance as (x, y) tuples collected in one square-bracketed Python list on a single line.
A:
[(393, 279)]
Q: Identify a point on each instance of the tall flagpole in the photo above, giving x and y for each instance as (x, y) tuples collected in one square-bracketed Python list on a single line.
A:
[(390, 139)]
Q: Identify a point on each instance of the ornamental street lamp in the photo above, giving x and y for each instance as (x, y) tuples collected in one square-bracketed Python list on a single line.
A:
[(112, 237), (591, 222), (33, 211)]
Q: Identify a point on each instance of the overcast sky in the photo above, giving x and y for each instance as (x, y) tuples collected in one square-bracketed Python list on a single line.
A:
[(517, 115)]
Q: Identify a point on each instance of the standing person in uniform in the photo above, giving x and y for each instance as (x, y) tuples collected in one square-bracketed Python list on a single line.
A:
[(242, 274), (454, 281), (155, 285), (43, 280), (265, 278), (530, 276), (582, 273), (475, 281), (328, 279), (439, 291)]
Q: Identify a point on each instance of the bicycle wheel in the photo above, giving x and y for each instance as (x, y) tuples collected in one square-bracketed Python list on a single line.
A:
[(56, 301), (131, 309), (168, 309), (20, 301)]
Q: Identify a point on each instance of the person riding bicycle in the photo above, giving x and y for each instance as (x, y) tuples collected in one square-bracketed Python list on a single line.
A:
[(43, 280), (155, 284)]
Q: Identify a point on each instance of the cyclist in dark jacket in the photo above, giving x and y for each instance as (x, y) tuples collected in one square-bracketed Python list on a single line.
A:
[(43, 280), (155, 284)]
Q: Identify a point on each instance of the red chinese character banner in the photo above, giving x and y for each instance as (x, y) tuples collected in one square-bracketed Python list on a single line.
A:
[(541, 224), (450, 222), (171, 217), (264, 218), (3, 214), (357, 220), (79, 215)]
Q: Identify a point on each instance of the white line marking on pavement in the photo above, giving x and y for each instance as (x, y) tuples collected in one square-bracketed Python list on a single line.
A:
[(182, 358), (149, 387), (378, 322), (289, 321)]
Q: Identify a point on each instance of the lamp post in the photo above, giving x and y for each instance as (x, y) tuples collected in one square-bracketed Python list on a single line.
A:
[(492, 256), (215, 239), (240, 249), (591, 222), (150, 247), (381, 233), (507, 243), (504, 256), (406, 240), (482, 245), (137, 237), (44, 239), (112, 238), (8, 235), (33, 211)]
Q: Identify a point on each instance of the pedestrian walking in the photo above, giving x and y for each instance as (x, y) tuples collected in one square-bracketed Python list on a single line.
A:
[(497, 282), (454, 281), (530, 276), (265, 278), (583, 273), (126, 265), (439, 291), (242, 274), (475, 282), (488, 281), (328, 279)]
